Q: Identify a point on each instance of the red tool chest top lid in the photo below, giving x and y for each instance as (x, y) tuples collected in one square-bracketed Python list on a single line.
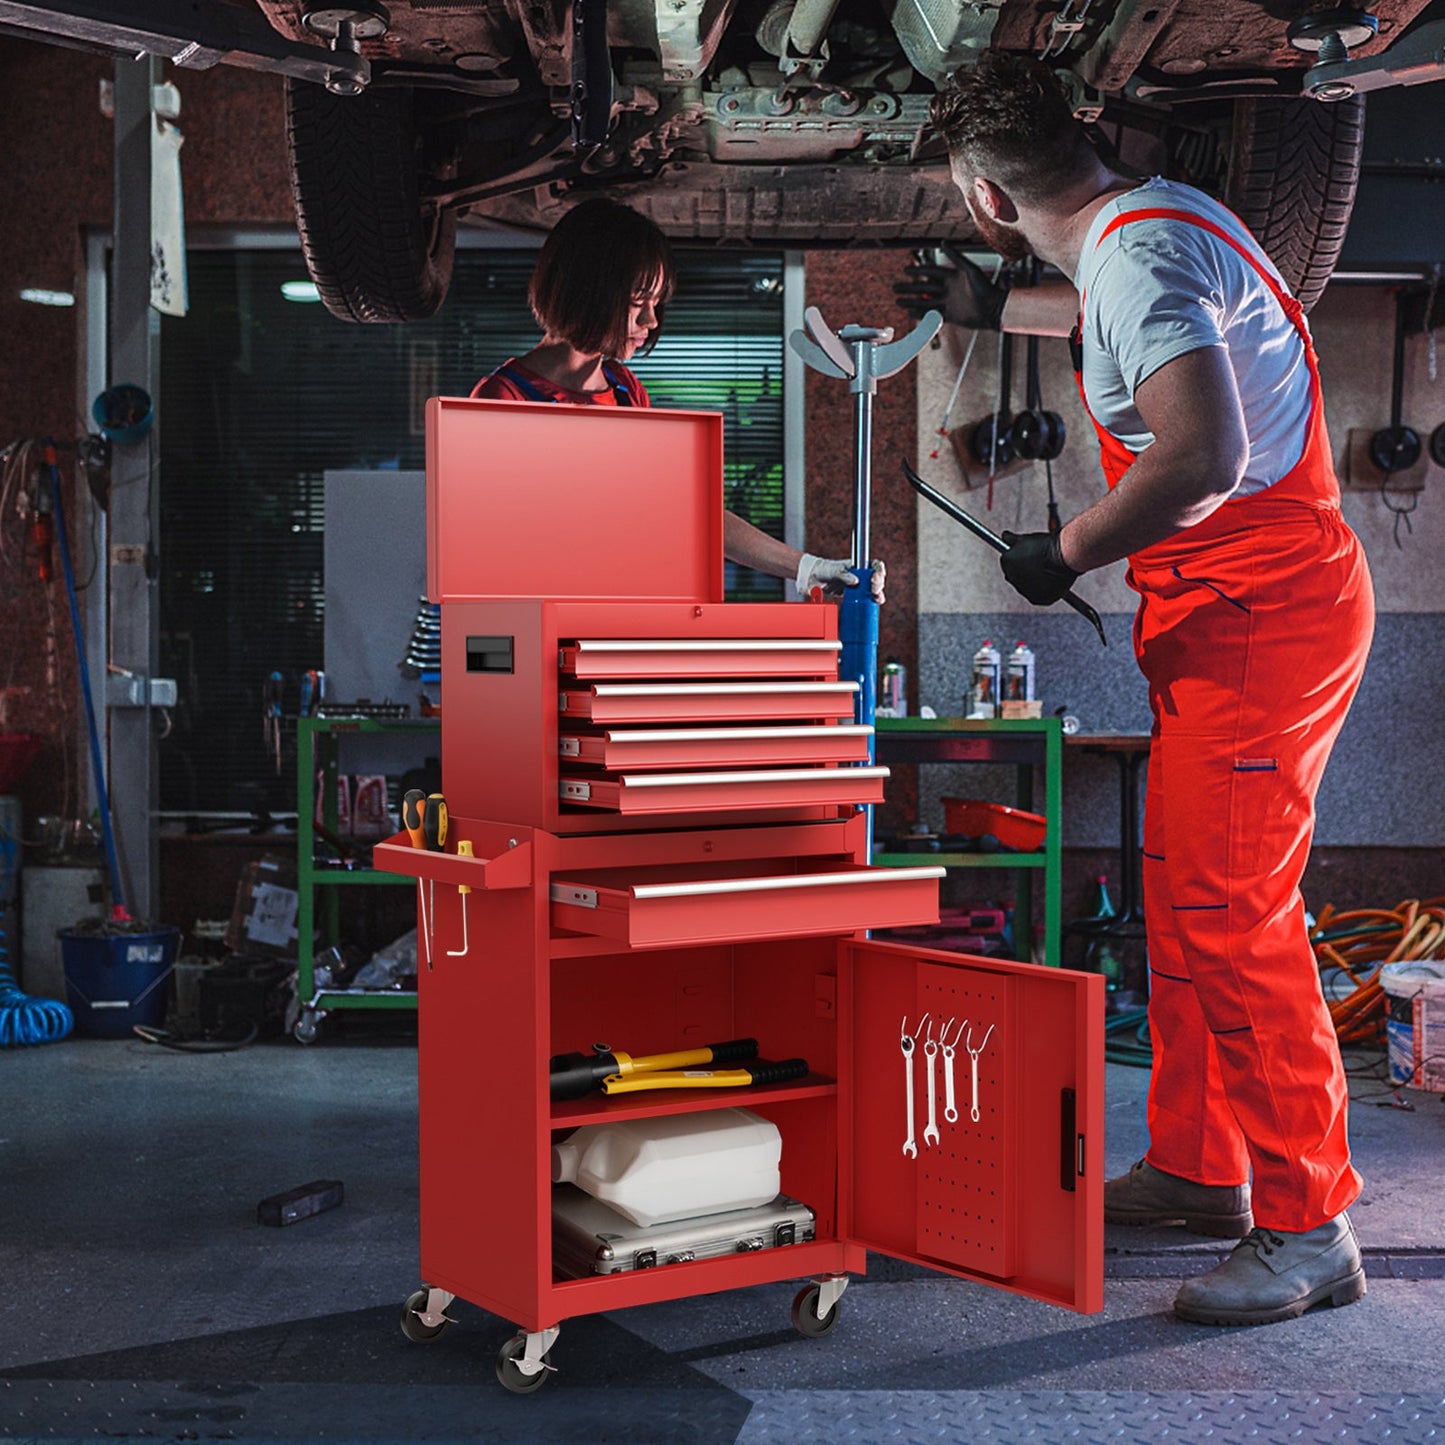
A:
[(533, 499)]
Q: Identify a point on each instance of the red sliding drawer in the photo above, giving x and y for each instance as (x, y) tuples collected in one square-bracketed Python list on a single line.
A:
[(620, 748), (713, 792), (687, 906), (661, 702), (618, 660)]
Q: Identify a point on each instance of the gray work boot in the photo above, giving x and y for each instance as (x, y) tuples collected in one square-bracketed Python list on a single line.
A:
[(1276, 1276), (1148, 1196)]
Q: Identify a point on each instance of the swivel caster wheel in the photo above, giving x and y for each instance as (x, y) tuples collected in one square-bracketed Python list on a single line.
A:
[(805, 1313), (413, 1326), (304, 1028), (512, 1376)]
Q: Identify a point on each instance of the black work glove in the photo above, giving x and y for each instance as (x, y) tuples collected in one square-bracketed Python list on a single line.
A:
[(962, 292), (1034, 566)]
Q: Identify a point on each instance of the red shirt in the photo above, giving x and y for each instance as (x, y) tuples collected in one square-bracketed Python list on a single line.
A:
[(506, 384)]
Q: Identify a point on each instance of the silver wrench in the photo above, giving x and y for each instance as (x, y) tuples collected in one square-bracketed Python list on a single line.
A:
[(950, 1109), (973, 1054), (930, 1052), (906, 1042)]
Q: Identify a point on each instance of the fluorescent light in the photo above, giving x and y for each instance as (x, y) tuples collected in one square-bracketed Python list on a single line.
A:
[(41, 297), (300, 291)]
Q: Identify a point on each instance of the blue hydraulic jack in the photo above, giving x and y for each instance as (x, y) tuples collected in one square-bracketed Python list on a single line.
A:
[(863, 356)]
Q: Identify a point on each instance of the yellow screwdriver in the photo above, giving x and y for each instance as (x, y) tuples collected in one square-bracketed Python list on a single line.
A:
[(412, 804), (434, 822)]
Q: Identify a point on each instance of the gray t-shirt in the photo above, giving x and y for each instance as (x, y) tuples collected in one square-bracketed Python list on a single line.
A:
[(1158, 288)]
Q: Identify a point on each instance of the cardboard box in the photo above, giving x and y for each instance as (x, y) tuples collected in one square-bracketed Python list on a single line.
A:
[(264, 917)]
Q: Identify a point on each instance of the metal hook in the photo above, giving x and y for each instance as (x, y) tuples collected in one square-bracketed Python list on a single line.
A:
[(464, 850)]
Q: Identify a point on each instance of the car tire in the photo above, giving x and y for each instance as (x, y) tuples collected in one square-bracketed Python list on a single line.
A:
[(1294, 165), (373, 251)]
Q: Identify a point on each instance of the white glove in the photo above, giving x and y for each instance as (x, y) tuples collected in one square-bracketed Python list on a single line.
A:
[(834, 575)]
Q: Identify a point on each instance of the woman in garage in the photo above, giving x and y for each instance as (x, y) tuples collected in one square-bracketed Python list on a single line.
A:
[(599, 291)]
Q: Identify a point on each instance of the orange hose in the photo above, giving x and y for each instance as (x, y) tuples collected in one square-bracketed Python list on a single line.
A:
[(1415, 929)]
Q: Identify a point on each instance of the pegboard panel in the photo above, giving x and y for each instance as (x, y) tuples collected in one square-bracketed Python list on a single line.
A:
[(966, 1214)]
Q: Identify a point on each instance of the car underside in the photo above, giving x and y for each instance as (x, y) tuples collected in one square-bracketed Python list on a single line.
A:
[(805, 122), (796, 123)]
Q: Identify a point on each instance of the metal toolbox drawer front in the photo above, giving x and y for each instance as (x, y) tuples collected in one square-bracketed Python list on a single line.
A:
[(620, 749), (605, 702), (718, 910), (623, 659), (713, 792)]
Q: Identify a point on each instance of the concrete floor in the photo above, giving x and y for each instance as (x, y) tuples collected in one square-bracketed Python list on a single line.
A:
[(139, 1298)]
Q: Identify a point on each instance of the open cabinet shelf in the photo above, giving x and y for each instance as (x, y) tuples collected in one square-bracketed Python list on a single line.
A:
[(573, 1114)]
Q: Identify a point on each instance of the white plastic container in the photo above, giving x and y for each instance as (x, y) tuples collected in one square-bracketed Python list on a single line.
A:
[(658, 1170), (1018, 681), (986, 682), (1415, 1027)]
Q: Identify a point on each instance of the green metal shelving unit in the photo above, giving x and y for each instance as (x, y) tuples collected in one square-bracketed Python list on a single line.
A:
[(318, 745), (1028, 744)]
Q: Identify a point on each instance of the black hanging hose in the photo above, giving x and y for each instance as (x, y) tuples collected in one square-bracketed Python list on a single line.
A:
[(1036, 405), (118, 909)]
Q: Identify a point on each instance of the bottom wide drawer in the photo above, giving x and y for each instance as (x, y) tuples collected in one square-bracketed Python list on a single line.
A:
[(660, 908)]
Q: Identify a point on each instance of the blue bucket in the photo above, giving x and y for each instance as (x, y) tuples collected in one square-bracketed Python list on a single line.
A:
[(116, 980)]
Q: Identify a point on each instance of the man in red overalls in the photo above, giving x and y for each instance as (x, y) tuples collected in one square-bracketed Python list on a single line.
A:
[(1254, 620)]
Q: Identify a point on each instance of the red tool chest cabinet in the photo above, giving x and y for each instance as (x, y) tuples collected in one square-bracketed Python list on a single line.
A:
[(661, 794)]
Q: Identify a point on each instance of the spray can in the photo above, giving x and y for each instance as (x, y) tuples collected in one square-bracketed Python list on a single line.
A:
[(983, 691), (893, 690), (1018, 678)]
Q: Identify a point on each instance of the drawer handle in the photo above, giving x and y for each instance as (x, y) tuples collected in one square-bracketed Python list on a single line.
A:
[(682, 644), (805, 880), (717, 689), (703, 734), (773, 775)]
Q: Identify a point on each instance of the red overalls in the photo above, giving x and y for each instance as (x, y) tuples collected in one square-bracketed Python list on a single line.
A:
[(1252, 632)]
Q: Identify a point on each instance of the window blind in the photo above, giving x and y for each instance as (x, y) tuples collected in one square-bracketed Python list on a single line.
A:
[(262, 396)]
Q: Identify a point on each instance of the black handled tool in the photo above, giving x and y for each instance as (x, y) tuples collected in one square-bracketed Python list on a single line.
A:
[(434, 822), (425, 818), (411, 811), (413, 806), (952, 509)]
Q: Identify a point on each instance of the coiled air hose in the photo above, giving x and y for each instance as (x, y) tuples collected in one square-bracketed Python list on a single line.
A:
[(1359, 943), (1126, 1039), (1355, 944), (27, 1020)]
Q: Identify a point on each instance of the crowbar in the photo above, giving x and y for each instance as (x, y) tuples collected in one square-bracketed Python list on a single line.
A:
[(952, 509)]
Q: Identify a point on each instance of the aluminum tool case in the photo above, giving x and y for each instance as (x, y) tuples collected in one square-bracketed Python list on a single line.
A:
[(662, 917), (589, 1237)]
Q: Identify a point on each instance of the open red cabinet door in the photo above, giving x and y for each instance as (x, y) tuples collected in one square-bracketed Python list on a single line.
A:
[(1013, 1197)]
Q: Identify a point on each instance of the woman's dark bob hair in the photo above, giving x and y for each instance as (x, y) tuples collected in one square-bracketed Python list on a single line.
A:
[(599, 257)]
